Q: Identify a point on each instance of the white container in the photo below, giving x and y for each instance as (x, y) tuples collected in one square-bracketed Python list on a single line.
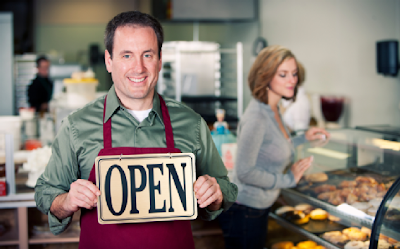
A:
[(10, 125), (80, 92)]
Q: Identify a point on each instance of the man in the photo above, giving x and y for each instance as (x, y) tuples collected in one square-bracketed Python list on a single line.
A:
[(41, 88), (131, 115)]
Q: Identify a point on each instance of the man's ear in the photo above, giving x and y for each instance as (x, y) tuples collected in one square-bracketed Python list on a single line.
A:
[(160, 62), (108, 59)]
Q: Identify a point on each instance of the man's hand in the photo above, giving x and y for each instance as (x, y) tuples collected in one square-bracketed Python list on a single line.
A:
[(82, 194), (208, 193)]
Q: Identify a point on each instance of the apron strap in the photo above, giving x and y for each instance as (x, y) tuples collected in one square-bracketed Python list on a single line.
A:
[(169, 136), (107, 140)]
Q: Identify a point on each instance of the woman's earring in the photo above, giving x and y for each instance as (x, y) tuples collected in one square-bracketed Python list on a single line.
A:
[(267, 88)]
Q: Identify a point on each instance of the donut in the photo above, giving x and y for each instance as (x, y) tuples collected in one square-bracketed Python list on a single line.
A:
[(303, 220), (316, 177), (281, 210), (354, 245), (319, 214), (306, 244), (350, 229), (357, 236), (305, 208), (366, 230), (283, 245), (333, 218)]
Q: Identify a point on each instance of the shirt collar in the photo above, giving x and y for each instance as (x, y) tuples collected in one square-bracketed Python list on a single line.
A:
[(113, 104)]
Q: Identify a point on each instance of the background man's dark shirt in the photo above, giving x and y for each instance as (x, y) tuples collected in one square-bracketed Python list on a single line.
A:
[(39, 92)]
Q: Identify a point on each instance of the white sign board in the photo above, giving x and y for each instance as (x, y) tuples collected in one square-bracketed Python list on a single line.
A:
[(146, 188)]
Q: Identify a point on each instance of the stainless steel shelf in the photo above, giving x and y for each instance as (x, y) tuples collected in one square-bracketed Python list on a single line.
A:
[(301, 231), (346, 218)]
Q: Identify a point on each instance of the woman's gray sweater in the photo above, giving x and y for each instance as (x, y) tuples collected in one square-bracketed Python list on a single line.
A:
[(263, 154)]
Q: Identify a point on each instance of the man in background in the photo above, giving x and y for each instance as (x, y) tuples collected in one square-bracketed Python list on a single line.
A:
[(40, 90)]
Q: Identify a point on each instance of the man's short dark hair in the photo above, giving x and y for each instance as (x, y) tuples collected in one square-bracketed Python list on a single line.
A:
[(40, 59), (132, 18)]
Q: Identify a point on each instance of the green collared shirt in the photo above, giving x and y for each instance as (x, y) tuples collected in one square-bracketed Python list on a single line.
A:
[(80, 139)]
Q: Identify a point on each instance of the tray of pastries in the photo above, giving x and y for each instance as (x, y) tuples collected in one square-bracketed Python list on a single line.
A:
[(308, 244), (358, 238), (313, 220)]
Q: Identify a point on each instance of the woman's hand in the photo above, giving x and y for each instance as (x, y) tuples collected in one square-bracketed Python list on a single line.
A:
[(300, 167), (315, 133)]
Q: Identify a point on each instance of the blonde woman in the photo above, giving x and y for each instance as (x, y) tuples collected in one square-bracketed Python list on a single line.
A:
[(265, 149)]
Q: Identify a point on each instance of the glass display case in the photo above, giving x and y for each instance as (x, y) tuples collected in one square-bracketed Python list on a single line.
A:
[(353, 178)]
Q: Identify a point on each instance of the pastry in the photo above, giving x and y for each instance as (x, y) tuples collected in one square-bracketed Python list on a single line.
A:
[(306, 244), (319, 214), (333, 218), (305, 208), (348, 184), (366, 230), (319, 247), (324, 188), (281, 210), (316, 177), (303, 220), (350, 229), (365, 179), (357, 236), (283, 245), (354, 245)]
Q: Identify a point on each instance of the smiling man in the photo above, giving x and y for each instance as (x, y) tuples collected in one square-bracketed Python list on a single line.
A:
[(131, 118)]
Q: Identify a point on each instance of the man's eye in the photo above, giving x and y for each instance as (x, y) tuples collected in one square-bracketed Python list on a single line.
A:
[(147, 56), (127, 56)]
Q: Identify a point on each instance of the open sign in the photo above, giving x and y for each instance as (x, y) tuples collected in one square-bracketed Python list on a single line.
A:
[(145, 188)]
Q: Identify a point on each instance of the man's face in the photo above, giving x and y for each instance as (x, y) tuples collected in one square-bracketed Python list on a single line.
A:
[(134, 66), (43, 68)]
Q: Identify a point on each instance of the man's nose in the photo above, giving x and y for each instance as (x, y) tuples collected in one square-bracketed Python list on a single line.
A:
[(138, 65)]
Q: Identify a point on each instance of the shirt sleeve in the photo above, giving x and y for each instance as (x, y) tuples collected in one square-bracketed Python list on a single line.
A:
[(300, 139), (250, 140), (61, 170), (208, 161)]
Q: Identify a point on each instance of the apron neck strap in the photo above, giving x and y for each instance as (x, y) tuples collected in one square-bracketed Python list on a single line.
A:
[(169, 136)]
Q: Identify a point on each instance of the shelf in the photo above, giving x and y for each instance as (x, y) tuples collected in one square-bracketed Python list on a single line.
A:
[(10, 237), (346, 218), (303, 232)]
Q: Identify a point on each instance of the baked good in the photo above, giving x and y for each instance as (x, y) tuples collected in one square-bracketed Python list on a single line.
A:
[(392, 241), (283, 245), (348, 184), (281, 210), (350, 230), (316, 177), (319, 247), (336, 237), (306, 244), (357, 236), (366, 230), (333, 218), (354, 245), (318, 214), (303, 220), (305, 208), (324, 188)]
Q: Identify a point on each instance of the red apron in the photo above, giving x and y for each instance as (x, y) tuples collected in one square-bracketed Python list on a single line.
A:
[(166, 234)]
